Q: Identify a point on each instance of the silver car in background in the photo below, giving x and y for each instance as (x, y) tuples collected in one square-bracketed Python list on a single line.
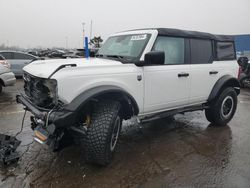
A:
[(18, 60), (7, 78)]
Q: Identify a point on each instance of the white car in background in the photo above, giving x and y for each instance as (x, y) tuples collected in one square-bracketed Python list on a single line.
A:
[(18, 60), (7, 78)]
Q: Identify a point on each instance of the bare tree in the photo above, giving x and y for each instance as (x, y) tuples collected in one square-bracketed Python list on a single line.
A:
[(96, 42)]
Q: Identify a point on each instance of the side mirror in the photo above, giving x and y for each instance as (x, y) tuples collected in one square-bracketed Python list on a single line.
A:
[(154, 58)]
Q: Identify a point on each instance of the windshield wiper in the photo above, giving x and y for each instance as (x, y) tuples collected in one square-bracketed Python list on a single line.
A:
[(99, 55), (120, 57), (116, 56)]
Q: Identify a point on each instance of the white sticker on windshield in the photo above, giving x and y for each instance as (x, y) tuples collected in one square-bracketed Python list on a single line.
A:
[(139, 37)]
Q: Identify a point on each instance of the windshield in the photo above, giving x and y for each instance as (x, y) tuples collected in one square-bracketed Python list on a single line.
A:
[(126, 47)]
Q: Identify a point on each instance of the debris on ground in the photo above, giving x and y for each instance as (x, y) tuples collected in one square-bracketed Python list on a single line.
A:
[(8, 146)]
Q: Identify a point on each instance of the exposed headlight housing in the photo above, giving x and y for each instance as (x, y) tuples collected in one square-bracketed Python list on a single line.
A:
[(42, 92)]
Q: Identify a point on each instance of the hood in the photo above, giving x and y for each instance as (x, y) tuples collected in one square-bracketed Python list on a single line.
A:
[(44, 68)]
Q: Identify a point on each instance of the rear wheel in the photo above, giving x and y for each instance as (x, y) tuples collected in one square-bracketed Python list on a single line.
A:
[(103, 132), (223, 109)]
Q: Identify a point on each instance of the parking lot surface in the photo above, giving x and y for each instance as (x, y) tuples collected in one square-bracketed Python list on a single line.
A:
[(182, 152)]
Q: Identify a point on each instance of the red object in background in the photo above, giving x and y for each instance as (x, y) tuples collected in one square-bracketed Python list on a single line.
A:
[(239, 72)]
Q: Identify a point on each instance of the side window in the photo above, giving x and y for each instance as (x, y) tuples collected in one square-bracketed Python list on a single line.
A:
[(1, 58), (7, 55), (225, 50), (173, 47), (22, 56), (201, 51)]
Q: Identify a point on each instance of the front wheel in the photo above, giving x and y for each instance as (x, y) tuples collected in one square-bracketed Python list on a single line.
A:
[(103, 132), (223, 109)]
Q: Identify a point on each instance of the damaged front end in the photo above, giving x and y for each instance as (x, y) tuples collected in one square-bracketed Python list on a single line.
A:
[(41, 91), (50, 118)]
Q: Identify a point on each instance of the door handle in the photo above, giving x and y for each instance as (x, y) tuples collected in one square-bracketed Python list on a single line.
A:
[(184, 74), (213, 72)]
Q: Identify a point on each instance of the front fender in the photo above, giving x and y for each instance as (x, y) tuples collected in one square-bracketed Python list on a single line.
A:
[(84, 97)]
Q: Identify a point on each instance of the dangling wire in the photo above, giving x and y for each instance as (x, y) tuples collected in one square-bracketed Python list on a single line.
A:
[(22, 123)]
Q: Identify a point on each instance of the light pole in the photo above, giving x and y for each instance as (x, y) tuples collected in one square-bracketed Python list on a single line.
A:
[(91, 24), (66, 42), (83, 33)]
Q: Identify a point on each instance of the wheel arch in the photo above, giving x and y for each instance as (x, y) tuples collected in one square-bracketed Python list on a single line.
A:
[(129, 104), (223, 82), (2, 82)]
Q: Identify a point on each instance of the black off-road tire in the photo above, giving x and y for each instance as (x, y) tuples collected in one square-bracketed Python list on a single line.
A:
[(1, 88), (215, 113), (97, 143)]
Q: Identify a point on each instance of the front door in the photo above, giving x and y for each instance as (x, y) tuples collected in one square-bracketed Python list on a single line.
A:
[(167, 86)]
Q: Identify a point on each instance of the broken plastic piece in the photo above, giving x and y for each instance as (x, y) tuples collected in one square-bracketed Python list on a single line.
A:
[(8, 146)]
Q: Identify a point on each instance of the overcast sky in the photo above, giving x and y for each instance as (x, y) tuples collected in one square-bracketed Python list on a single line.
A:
[(47, 23)]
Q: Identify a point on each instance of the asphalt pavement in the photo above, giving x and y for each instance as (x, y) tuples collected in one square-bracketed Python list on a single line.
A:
[(185, 151)]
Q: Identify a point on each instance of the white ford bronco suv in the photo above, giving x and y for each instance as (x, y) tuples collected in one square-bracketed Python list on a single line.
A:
[(148, 73)]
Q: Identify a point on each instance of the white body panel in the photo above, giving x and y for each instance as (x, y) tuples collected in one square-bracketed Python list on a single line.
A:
[(164, 89), (202, 82), (90, 73)]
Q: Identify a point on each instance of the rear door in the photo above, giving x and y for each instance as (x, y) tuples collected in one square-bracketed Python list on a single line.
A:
[(167, 86), (203, 74)]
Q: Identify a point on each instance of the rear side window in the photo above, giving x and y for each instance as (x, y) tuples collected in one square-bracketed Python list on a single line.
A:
[(225, 51), (201, 51), (22, 56), (173, 47)]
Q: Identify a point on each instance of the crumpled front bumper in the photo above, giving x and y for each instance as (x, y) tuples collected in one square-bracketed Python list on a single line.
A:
[(47, 125), (61, 118)]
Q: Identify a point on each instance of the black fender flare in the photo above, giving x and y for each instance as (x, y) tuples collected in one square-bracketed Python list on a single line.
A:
[(224, 81), (86, 96)]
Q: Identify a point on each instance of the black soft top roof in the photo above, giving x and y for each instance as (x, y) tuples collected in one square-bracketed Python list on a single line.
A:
[(192, 34)]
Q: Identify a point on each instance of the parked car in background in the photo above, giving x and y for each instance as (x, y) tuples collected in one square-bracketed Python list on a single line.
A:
[(35, 53), (4, 62), (18, 60), (7, 78), (56, 53)]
